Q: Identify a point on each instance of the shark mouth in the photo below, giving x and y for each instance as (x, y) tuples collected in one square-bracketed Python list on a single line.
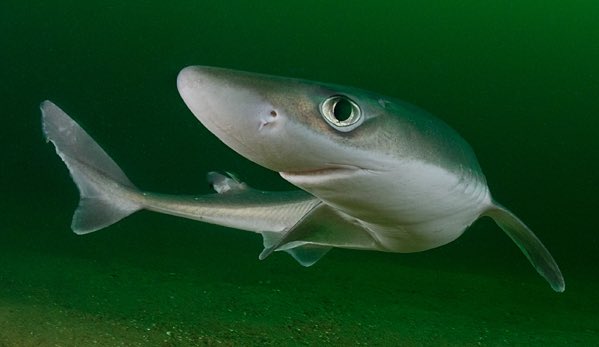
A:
[(336, 171)]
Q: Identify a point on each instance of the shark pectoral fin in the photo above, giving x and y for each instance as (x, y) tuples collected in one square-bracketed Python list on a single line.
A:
[(100, 181), (530, 245)]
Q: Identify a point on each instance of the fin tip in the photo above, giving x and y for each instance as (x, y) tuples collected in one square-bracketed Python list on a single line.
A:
[(529, 244)]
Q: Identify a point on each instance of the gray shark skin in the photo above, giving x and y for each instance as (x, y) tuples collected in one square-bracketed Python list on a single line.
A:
[(374, 173)]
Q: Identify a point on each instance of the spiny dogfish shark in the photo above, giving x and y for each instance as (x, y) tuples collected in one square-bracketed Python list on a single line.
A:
[(374, 173)]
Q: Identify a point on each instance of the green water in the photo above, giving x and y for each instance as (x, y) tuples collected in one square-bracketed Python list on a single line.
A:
[(519, 80)]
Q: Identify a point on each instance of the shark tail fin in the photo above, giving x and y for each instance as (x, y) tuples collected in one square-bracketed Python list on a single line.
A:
[(529, 244), (105, 191)]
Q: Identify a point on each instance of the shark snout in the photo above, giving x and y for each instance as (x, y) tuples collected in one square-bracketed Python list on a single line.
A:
[(218, 98), (271, 121), (204, 92), (233, 106)]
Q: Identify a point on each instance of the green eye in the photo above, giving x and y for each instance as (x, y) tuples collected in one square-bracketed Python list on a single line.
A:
[(341, 112)]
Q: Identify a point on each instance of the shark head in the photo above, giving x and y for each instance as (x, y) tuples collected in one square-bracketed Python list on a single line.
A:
[(287, 125), (376, 159), (310, 131)]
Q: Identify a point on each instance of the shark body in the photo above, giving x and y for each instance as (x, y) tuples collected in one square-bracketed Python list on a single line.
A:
[(374, 173)]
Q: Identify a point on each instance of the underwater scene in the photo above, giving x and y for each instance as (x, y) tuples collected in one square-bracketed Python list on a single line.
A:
[(518, 80)]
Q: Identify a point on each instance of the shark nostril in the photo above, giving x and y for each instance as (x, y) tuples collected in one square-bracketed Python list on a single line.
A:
[(273, 113), (263, 123)]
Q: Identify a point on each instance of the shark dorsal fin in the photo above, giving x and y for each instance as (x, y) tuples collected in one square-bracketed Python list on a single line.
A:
[(227, 182)]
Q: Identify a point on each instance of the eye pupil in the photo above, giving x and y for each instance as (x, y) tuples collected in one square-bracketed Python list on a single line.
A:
[(341, 113), (342, 110)]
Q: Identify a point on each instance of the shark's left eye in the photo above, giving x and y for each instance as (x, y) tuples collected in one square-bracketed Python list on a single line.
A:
[(341, 112)]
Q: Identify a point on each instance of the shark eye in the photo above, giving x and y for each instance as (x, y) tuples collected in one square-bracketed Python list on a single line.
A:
[(341, 112)]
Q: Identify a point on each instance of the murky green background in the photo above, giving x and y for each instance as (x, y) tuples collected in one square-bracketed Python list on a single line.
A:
[(518, 79)]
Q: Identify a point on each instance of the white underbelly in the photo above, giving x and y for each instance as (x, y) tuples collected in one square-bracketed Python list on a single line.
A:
[(415, 207)]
